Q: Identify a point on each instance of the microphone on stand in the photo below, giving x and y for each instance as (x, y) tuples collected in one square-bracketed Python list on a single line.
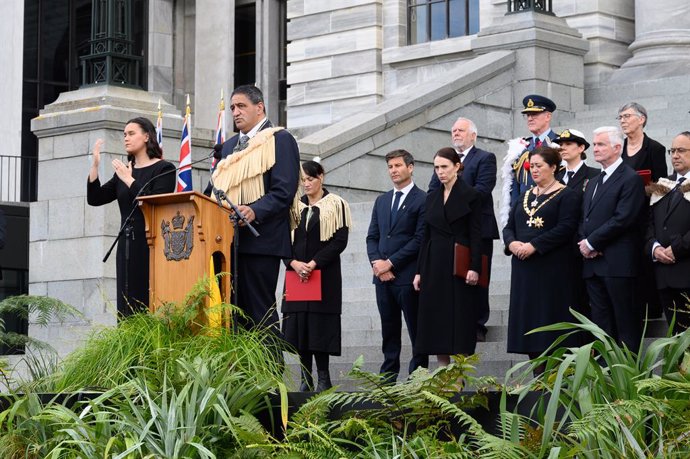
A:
[(215, 153)]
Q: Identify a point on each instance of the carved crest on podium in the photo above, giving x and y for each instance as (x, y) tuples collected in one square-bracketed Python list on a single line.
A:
[(178, 242)]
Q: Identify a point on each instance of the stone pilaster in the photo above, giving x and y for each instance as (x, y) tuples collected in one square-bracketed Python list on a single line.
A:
[(214, 54), (662, 42), (549, 59), (335, 60), (12, 55), (160, 52)]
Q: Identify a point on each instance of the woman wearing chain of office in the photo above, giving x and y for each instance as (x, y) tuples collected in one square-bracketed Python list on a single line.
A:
[(539, 236)]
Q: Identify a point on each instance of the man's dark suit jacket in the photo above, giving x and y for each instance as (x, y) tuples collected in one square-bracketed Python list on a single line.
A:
[(580, 179), (480, 173), (273, 209), (609, 223), (400, 243), (669, 224)]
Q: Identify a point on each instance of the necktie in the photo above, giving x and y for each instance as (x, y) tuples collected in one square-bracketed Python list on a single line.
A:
[(537, 143), (396, 204), (569, 174), (600, 181), (460, 156), (242, 144), (676, 194)]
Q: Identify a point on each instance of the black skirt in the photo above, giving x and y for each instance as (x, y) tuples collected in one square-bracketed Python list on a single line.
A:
[(313, 332)]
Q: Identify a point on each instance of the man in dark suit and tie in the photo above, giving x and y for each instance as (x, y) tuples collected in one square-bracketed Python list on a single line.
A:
[(395, 234), (479, 172), (610, 239), (668, 234), (260, 174)]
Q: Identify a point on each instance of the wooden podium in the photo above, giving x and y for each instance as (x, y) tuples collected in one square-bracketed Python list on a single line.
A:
[(183, 231)]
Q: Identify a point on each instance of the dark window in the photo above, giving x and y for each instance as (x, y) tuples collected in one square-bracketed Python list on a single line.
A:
[(55, 34), (429, 20)]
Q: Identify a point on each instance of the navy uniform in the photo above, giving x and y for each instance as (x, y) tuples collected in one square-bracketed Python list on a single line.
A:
[(522, 179)]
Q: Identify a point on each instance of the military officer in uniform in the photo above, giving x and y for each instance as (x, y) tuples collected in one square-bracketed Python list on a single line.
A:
[(538, 111)]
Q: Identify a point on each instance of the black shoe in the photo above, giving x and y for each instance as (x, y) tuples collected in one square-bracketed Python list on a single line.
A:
[(307, 382), (324, 380)]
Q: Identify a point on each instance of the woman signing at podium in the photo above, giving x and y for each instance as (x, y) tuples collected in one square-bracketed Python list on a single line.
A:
[(144, 163)]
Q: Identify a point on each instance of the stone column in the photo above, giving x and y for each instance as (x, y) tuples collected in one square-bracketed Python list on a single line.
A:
[(662, 41), (214, 64), (160, 58)]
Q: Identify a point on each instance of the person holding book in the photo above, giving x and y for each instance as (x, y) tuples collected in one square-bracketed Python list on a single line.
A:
[(448, 304), (539, 235), (313, 328)]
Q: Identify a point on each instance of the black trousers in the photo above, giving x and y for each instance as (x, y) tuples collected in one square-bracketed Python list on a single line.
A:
[(392, 300), (483, 309), (257, 281), (675, 302), (614, 308)]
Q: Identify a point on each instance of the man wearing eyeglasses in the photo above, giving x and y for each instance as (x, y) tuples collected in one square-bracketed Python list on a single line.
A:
[(668, 235), (538, 111)]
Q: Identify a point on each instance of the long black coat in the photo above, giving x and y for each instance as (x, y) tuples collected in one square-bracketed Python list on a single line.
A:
[(448, 307), (306, 247), (652, 156)]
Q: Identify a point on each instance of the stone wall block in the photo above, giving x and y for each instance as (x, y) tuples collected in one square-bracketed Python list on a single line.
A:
[(566, 68), (295, 8), (79, 259), (345, 107), (309, 26), (356, 63), (66, 217), (356, 17), (69, 145), (310, 115), (314, 69), (318, 6), (38, 223)]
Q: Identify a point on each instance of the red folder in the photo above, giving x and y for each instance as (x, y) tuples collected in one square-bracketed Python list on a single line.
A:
[(296, 289), (646, 175), (461, 265)]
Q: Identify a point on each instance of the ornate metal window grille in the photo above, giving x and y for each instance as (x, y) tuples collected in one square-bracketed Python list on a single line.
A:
[(429, 20), (540, 6), (115, 55)]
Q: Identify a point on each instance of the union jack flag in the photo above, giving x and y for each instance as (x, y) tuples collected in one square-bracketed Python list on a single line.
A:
[(220, 126), (159, 126), (184, 176)]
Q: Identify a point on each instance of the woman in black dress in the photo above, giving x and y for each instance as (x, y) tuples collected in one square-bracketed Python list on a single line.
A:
[(643, 154), (639, 151), (313, 327), (539, 235), (144, 162), (448, 305), (576, 175)]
